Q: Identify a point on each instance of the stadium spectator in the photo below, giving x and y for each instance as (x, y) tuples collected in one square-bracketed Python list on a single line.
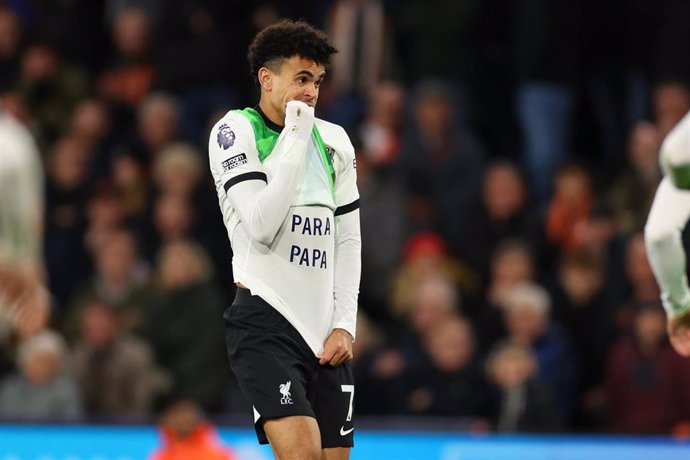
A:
[(40, 391), (582, 306), (527, 313), (426, 256), (569, 208), (121, 281), (632, 191), (51, 89), (511, 264), (381, 130), (67, 193), (502, 212), (115, 371), (186, 435), (381, 194), (645, 378), (10, 48), (130, 73), (441, 162), (522, 403), (182, 324), (450, 382)]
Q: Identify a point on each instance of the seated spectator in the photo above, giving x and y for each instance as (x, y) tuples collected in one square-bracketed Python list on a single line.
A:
[(121, 281), (582, 307), (40, 391), (524, 404), (441, 161), (130, 179), (157, 125), (130, 73), (670, 101), (186, 435), (51, 88), (381, 131), (510, 264), (177, 170), (426, 256), (381, 194), (646, 381), (632, 191), (115, 371), (377, 386), (451, 383), (569, 207), (67, 193), (105, 213), (91, 125), (642, 286), (527, 309), (10, 48), (184, 327), (501, 213)]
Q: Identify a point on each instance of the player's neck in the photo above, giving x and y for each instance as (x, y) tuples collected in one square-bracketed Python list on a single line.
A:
[(272, 114)]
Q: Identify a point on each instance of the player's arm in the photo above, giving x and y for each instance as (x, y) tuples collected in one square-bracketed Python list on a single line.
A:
[(669, 213), (348, 265), (262, 204), (663, 234)]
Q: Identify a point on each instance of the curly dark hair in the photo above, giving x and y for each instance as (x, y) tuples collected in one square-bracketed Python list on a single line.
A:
[(284, 39)]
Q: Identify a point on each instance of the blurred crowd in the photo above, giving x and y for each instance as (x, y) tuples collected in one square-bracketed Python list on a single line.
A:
[(507, 156)]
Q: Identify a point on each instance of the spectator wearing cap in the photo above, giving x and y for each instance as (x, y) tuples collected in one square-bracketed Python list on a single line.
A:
[(425, 256)]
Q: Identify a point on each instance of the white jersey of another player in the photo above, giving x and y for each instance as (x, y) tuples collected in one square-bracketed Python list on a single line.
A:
[(668, 217)]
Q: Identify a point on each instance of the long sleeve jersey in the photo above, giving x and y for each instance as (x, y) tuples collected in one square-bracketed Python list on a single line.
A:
[(290, 204), (669, 214)]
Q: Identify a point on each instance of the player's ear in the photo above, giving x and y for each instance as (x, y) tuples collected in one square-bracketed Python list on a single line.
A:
[(266, 79)]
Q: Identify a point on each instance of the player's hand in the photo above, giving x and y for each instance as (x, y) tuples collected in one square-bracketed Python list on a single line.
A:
[(337, 349), (300, 115), (678, 328)]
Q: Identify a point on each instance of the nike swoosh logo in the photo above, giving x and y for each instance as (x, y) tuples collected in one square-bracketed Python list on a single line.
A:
[(344, 432)]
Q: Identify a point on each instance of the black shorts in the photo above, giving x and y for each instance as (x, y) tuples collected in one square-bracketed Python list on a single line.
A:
[(280, 376)]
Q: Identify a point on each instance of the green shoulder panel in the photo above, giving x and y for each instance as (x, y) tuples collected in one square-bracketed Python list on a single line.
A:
[(265, 137), (679, 175)]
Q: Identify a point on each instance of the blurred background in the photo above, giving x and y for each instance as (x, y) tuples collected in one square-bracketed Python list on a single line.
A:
[(507, 157)]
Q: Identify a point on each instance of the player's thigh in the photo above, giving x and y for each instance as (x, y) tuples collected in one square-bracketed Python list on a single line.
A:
[(335, 453), (295, 437)]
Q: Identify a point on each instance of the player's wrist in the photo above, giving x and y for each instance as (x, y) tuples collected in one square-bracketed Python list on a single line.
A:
[(344, 332), (676, 308)]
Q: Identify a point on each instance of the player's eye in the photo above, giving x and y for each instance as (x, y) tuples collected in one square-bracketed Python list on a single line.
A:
[(301, 80)]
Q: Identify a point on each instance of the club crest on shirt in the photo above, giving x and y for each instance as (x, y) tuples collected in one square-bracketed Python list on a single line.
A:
[(234, 162), (226, 136)]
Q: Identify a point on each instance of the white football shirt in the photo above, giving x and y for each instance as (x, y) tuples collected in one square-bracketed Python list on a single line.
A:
[(298, 247)]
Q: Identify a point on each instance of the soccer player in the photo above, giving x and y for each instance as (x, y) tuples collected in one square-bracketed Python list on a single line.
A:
[(669, 214), (286, 184)]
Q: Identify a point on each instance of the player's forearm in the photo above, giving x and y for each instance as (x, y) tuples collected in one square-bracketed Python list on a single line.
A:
[(263, 206), (667, 218), (348, 267)]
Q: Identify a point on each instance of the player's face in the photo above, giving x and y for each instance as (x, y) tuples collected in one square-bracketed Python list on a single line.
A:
[(298, 79)]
